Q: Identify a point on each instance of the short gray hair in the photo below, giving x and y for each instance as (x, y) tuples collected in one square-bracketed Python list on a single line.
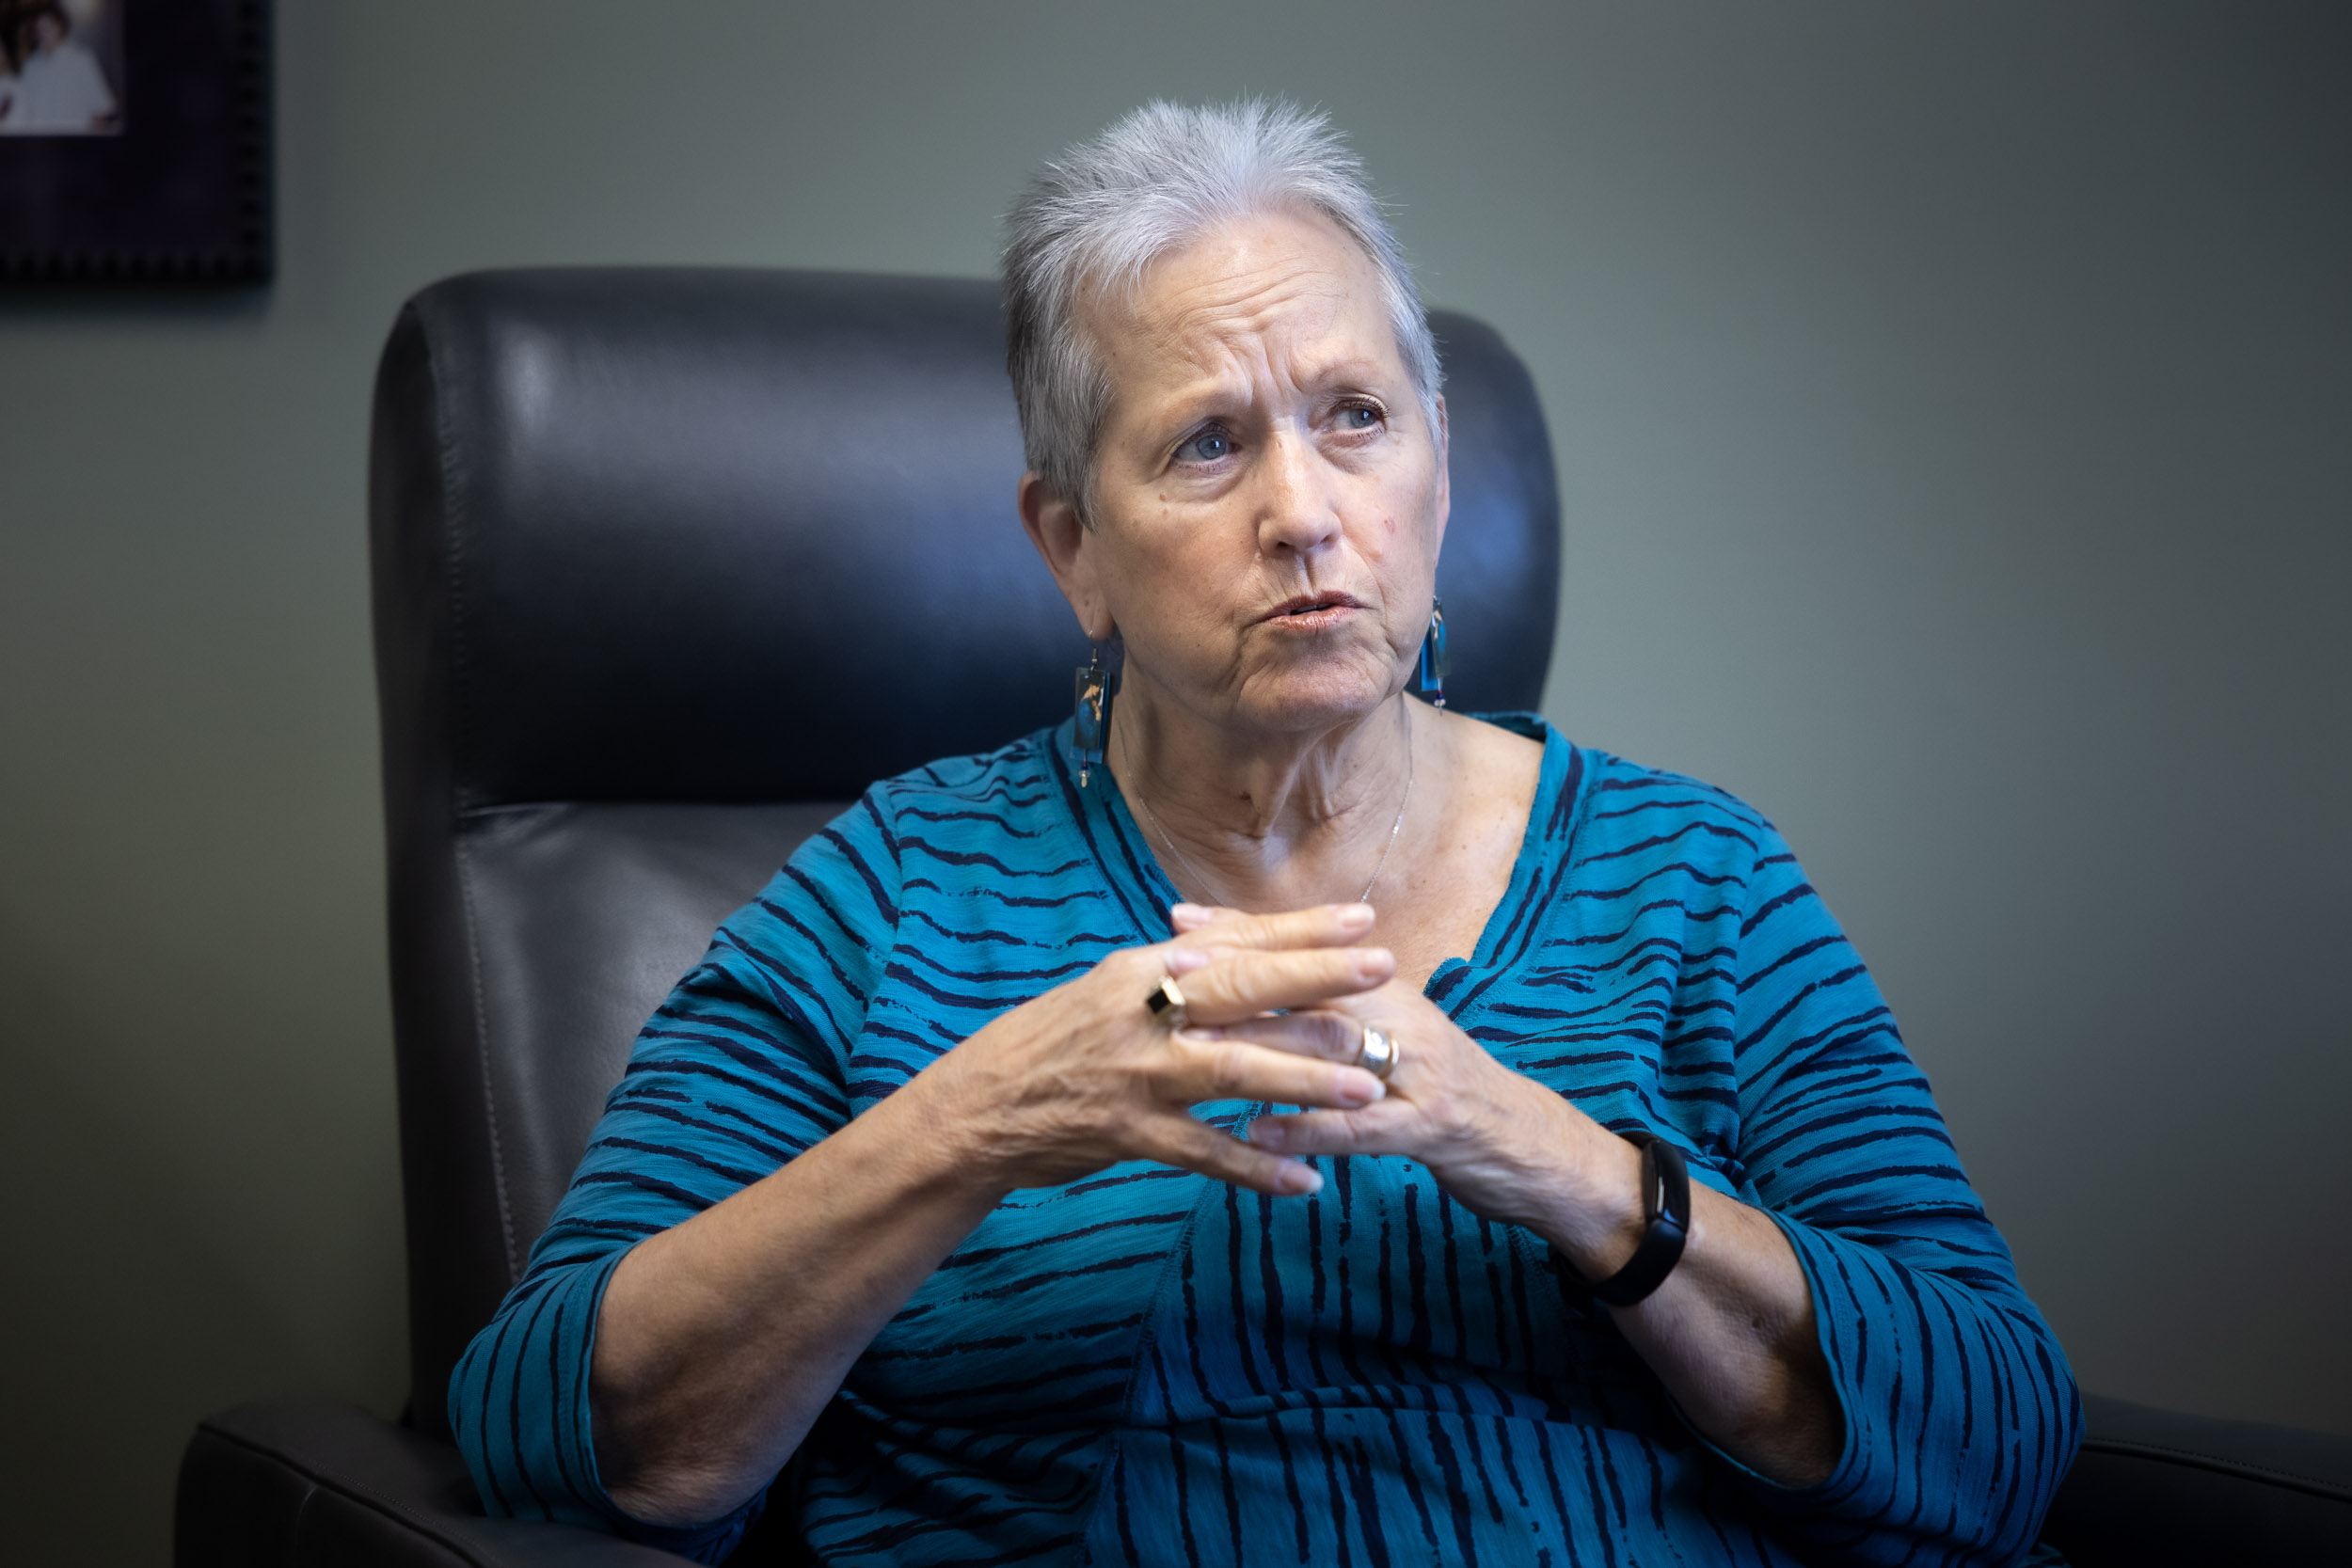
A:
[(1158, 178)]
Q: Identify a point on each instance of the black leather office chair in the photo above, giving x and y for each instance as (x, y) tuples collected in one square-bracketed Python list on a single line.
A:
[(668, 565)]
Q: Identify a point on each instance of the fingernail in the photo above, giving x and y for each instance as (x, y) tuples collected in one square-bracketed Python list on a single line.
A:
[(1370, 962), (1266, 1134), (1303, 1178), (1182, 911), (1360, 1088), (1199, 1035), (1356, 914), (1183, 961)]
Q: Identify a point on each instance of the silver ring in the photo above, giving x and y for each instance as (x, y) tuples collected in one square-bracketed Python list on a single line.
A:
[(1377, 1054), (1167, 1004)]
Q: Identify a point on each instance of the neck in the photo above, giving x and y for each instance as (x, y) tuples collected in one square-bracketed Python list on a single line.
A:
[(1260, 820)]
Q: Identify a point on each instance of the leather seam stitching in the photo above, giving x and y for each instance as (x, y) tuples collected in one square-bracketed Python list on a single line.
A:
[(302, 1513), (2318, 1485), (452, 535), (482, 1057), (398, 1513)]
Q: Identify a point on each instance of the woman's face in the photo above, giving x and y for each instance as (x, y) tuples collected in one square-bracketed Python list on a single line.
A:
[(1269, 496)]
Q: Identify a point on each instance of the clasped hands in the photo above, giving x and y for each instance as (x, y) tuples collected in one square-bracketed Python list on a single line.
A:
[(1084, 1077)]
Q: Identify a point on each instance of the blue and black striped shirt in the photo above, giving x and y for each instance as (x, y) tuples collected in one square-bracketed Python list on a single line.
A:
[(1149, 1366)]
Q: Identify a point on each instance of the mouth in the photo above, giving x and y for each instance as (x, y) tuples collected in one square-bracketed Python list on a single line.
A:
[(1312, 612)]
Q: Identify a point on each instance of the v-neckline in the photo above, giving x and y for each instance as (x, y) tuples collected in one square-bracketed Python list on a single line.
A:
[(1160, 892)]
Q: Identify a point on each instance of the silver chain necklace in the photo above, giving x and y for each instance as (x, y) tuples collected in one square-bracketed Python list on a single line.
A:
[(1412, 761)]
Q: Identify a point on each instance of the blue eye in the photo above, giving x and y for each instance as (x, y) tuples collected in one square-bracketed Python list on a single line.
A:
[(1207, 447), (1359, 418)]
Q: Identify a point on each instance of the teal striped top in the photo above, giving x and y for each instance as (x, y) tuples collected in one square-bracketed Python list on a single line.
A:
[(1149, 1366)]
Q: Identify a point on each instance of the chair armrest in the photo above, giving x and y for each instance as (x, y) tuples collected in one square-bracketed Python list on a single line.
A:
[(298, 1484), (2153, 1488)]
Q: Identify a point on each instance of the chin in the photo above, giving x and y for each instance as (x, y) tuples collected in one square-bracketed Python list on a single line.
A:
[(1321, 694)]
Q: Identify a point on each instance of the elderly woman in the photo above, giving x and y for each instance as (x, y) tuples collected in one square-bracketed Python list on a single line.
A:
[(1275, 1119)]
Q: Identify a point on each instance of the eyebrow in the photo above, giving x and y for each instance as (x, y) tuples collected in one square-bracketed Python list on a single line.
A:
[(1349, 370)]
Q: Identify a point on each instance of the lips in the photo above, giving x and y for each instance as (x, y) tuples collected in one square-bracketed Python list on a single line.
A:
[(1308, 607)]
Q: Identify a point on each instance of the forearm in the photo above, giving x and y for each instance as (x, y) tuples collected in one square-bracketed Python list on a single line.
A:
[(1730, 1332), (720, 1341)]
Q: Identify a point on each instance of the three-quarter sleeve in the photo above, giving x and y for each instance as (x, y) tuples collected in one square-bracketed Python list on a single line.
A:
[(1960, 1411), (744, 1066)]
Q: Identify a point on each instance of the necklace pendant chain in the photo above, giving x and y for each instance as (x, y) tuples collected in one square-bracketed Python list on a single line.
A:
[(1412, 762)]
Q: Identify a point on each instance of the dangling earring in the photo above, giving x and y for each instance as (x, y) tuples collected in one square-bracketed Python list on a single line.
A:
[(1091, 731), (1433, 660)]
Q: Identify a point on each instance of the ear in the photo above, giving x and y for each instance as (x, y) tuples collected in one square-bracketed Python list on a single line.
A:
[(1063, 539), (1445, 474)]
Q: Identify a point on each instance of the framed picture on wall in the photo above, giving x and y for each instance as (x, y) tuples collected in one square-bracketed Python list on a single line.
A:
[(134, 141)]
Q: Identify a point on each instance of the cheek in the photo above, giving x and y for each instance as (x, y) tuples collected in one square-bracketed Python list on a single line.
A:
[(1401, 549), (1406, 504), (1172, 563), (1169, 578)]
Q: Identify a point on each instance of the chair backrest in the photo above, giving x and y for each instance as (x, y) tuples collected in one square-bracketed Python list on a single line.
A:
[(668, 565)]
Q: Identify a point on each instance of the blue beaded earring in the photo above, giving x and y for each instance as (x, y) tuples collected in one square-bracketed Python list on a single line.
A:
[(1097, 686), (1433, 659)]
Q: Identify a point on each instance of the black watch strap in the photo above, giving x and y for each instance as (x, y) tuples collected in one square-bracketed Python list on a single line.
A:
[(1666, 1215)]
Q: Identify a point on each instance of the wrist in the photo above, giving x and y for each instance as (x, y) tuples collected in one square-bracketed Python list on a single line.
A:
[(1596, 1217), (1665, 1226), (936, 1149)]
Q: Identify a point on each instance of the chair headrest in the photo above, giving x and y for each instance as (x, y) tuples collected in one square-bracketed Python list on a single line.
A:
[(703, 534)]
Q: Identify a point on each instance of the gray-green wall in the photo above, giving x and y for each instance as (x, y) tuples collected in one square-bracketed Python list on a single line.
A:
[(1955, 432)]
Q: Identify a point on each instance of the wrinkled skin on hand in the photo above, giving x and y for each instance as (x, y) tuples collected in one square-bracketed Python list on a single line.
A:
[(1085, 1076)]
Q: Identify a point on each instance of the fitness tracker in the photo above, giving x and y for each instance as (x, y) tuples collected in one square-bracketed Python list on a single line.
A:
[(1666, 1215)]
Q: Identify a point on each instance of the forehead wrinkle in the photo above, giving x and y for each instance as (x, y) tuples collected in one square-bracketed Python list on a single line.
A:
[(1240, 315), (1252, 335), (1247, 300), (1231, 371), (1230, 328)]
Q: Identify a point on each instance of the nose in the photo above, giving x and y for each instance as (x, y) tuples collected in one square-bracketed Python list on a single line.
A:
[(1297, 507)]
